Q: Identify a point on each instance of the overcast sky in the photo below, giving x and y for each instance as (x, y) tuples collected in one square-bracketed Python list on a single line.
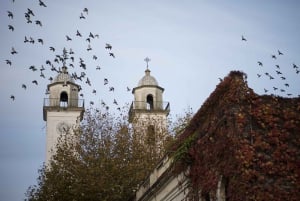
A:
[(191, 45)]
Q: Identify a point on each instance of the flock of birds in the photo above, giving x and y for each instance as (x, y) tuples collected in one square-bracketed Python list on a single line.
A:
[(277, 73), (68, 58)]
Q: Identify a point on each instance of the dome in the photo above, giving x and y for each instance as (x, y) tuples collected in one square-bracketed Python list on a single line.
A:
[(63, 76), (148, 80)]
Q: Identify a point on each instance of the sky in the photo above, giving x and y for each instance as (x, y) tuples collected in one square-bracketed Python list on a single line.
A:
[(191, 45)]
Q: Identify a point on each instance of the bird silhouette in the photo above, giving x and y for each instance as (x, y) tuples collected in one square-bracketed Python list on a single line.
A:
[(8, 62), (108, 46), (112, 54), (286, 84), (24, 86), (279, 53), (30, 12), (295, 66), (26, 40), (35, 82), (10, 27), (38, 22), (85, 10), (33, 68), (41, 3), (115, 102), (243, 38), (94, 91), (266, 90), (10, 14), (105, 81), (91, 35), (98, 68), (278, 72), (68, 38), (277, 66), (89, 48), (95, 57), (52, 49), (260, 63), (81, 16), (12, 97), (258, 75), (31, 40), (78, 34), (41, 41), (13, 51), (128, 89), (111, 89), (273, 56)]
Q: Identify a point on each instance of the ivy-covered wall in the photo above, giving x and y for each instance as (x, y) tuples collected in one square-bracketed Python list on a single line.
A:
[(250, 140)]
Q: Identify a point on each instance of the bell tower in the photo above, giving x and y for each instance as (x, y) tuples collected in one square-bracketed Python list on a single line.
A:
[(148, 112), (62, 109)]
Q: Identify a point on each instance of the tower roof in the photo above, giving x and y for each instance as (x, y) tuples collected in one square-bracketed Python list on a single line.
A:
[(147, 80), (63, 76)]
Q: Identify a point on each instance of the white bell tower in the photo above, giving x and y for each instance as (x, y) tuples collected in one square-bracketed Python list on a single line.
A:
[(62, 110), (148, 112)]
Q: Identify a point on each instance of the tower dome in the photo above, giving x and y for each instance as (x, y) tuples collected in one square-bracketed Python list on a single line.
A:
[(64, 76), (147, 80)]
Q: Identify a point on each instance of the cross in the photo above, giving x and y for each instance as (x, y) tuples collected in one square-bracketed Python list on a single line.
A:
[(147, 61)]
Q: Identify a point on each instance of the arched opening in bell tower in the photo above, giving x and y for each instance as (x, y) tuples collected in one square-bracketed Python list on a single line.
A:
[(63, 100), (149, 102)]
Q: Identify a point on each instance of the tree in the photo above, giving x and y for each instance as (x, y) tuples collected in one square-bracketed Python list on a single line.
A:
[(102, 160)]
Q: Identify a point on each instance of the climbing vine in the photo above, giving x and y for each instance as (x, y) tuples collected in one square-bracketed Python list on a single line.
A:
[(251, 140)]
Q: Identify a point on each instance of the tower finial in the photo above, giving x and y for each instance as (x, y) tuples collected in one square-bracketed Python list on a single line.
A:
[(147, 60)]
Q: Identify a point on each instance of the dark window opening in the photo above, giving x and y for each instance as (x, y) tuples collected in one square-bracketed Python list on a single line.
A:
[(63, 99), (150, 102)]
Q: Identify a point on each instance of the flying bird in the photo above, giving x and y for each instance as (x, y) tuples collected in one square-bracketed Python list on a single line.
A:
[(111, 89), (31, 40), (10, 14), (81, 16), (41, 41), (273, 56), (108, 46), (98, 68), (41, 3), (85, 10), (35, 82), (115, 102), (91, 35), (112, 54), (10, 27), (89, 48), (105, 81), (78, 34), (128, 89), (243, 38), (24, 86), (8, 62), (260, 63), (26, 40), (13, 51), (280, 53), (258, 75), (52, 49), (12, 97), (38, 22), (68, 38), (30, 12)]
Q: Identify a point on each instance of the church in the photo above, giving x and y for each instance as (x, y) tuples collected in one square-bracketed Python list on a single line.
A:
[(238, 146)]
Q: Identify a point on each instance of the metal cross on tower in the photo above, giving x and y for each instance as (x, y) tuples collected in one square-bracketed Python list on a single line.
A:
[(147, 61)]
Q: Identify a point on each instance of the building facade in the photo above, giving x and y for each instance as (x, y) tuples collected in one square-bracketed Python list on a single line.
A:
[(238, 146), (62, 110)]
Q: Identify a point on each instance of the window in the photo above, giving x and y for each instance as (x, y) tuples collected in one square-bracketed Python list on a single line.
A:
[(149, 102), (63, 101)]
